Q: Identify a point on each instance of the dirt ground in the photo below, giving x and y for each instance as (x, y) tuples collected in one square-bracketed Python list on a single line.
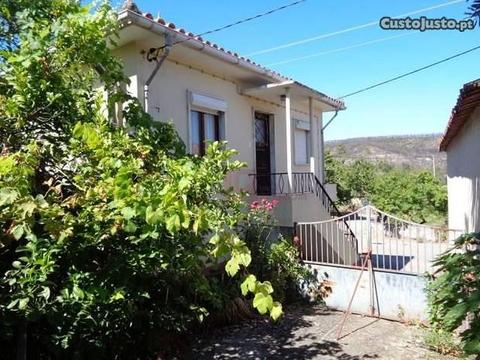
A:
[(309, 333)]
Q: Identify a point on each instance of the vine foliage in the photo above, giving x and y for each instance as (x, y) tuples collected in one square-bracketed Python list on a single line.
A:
[(107, 232)]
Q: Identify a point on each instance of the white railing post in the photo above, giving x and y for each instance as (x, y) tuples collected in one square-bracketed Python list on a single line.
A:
[(288, 132)]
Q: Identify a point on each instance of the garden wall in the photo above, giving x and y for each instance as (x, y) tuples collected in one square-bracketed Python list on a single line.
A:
[(397, 296)]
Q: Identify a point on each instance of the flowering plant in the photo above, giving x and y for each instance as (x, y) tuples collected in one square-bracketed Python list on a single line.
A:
[(264, 205)]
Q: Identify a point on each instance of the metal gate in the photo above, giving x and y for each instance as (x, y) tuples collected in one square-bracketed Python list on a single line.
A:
[(396, 245), (398, 253)]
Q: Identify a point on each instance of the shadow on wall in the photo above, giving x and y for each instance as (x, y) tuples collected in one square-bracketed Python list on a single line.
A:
[(390, 262)]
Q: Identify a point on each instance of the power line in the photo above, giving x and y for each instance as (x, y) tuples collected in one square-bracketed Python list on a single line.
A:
[(252, 18), (411, 72), (242, 21), (354, 28), (332, 51)]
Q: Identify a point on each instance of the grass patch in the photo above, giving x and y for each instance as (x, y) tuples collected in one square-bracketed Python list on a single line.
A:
[(443, 342)]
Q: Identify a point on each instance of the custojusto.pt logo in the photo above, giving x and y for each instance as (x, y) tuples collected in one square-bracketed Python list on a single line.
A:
[(424, 24)]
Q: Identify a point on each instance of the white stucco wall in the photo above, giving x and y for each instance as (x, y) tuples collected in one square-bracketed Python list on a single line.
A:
[(296, 208), (463, 169), (168, 102)]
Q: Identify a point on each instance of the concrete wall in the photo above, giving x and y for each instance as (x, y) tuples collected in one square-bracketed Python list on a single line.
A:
[(463, 169), (296, 208), (168, 102), (397, 296)]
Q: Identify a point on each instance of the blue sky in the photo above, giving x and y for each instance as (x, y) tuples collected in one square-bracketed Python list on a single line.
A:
[(418, 104)]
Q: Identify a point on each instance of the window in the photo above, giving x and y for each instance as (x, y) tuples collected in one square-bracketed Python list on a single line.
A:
[(204, 127), (301, 146)]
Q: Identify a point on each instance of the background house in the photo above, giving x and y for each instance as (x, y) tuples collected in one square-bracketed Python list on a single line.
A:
[(213, 94), (461, 141)]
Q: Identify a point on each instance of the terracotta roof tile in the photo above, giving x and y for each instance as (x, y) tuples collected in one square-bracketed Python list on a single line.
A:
[(161, 21), (467, 102)]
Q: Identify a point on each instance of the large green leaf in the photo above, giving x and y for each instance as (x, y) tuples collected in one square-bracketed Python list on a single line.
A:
[(263, 303)]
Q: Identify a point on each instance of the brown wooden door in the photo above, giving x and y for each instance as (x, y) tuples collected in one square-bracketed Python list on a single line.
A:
[(262, 151)]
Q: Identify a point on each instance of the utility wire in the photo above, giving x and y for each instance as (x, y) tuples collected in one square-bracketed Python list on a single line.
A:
[(332, 51), (252, 18), (411, 72), (157, 50), (354, 28)]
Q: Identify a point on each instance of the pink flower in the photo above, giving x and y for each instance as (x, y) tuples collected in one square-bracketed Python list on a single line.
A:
[(275, 202), (254, 205)]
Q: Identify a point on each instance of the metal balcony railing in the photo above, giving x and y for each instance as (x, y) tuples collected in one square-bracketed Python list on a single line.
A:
[(276, 184)]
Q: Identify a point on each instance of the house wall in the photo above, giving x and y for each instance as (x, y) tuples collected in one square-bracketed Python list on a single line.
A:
[(296, 208), (463, 170), (168, 102)]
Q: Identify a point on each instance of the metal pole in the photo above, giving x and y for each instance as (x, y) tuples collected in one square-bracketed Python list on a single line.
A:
[(349, 308), (434, 167), (370, 266)]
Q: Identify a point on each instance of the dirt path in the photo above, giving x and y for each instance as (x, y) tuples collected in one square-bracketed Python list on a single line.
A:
[(309, 333)]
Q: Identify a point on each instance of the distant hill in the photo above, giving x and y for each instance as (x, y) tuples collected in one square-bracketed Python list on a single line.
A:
[(416, 151)]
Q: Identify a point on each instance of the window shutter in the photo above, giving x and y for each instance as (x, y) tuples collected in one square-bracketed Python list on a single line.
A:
[(208, 102), (301, 146)]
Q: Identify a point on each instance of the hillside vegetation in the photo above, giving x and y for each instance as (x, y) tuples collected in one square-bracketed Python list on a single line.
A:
[(412, 194), (405, 151)]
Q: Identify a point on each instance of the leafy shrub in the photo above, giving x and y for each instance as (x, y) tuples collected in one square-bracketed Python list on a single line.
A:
[(275, 258), (454, 292), (415, 196), (107, 233), (441, 341), (411, 194)]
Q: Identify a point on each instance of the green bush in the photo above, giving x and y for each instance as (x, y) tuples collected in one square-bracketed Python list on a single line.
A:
[(108, 234), (411, 194), (275, 258), (454, 292), (441, 341)]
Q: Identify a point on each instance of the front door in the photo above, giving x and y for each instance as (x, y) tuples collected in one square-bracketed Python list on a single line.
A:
[(262, 152)]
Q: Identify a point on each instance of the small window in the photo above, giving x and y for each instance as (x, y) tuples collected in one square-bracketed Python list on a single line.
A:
[(204, 128), (301, 146)]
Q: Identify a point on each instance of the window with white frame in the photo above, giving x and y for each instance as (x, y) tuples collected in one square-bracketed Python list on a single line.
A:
[(205, 128), (206, 121), (302, 142)]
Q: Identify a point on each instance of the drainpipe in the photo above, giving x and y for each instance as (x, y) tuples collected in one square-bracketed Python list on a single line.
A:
[(329, 121), (160, 60), (322, 145)]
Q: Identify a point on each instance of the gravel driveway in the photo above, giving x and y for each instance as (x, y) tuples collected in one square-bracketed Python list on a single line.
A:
[(309, 333)]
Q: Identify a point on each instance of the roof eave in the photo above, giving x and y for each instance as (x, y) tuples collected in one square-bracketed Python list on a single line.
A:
[(458, 118), (336, 104), (127, 18)]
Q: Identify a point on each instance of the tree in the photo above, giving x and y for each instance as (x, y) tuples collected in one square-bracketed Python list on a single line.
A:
[(474, 10), (354, 180), (415, 196), (107, 233), (336, 172)]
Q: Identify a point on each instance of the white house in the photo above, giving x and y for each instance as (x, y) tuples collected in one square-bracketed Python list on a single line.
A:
[(461, 141), (214, 94)]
